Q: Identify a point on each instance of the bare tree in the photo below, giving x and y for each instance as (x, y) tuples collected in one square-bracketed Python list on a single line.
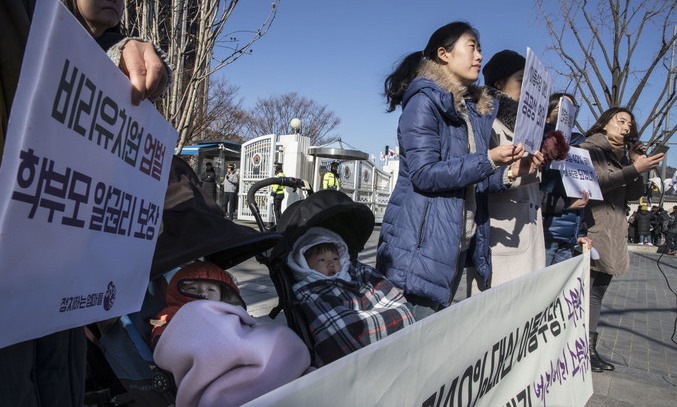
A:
[(190, 30), (225, 117), (617, 53), (273, 115)]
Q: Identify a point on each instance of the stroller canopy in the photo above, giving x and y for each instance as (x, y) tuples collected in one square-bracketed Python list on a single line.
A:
[(330, 209), (193, 226)]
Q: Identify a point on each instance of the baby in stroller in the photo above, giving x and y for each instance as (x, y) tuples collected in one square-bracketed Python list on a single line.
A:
[(348, 305), (217, 353)]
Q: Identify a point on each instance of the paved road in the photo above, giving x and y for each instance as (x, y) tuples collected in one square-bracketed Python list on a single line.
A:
[(637, 327)]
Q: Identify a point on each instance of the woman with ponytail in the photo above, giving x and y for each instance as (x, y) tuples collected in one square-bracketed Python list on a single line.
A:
[(437, 214)]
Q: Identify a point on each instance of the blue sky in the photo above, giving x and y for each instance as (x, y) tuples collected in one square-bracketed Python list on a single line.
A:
[(338, 53)]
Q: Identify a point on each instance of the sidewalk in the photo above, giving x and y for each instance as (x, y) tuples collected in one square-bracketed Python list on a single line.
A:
[(636, 330)]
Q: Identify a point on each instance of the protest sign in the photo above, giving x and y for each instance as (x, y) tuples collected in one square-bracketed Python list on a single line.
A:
[(533, 104), (578, 174), (522, 343), (566, 117), (83, 179)]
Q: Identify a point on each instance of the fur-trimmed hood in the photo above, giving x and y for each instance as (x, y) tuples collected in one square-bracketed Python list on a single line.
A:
[(453, 103)]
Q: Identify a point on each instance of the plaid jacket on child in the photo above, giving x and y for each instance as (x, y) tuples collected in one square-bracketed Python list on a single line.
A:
[(347, 315)]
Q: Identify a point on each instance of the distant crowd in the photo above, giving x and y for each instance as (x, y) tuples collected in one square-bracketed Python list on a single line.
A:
[(653, 227)]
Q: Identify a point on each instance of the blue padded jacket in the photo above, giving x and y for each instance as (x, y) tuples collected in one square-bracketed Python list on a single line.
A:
[(422, 225)]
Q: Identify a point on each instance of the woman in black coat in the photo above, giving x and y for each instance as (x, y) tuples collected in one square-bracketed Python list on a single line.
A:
[(643, 225), (208, 178)]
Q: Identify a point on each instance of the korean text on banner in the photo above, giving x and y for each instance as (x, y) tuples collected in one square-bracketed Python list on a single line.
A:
[(83, 179), (522, 343), (533, 104), (578, 174)]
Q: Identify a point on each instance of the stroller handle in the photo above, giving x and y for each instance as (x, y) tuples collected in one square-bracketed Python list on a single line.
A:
[(285, 181)]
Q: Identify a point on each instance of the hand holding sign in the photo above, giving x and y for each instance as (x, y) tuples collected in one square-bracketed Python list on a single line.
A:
[(580, 202), (578, 175), (506, 154), (146, 71)]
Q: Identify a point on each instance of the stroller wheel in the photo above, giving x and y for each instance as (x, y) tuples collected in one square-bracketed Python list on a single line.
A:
[(161, 382)]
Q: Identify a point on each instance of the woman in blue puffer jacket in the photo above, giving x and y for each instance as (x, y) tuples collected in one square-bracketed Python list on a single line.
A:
[(437, 214)]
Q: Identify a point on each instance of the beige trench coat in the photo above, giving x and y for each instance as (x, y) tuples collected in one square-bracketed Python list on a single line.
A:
[(517, 242)]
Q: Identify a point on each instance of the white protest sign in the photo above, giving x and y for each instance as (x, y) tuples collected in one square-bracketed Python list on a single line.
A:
[(523, 343), (533, 104), (566, 117), (578, 174), (82, 183)]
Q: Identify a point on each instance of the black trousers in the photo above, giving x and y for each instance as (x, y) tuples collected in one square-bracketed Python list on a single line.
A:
[(277, 207), (599, 282), (230, 204)]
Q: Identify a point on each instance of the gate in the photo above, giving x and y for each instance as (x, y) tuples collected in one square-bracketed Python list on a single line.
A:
[(256, 163)]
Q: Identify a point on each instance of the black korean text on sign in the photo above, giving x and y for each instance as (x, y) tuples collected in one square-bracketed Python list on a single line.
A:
[(67, 196), (85, 109), (57, 186)]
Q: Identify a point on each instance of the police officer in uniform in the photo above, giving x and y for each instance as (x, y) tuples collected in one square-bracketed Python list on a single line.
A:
[(331, 179), (277, 192)]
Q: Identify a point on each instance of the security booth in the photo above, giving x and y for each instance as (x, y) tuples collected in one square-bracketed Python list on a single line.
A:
[(219, 153), (360, 178)]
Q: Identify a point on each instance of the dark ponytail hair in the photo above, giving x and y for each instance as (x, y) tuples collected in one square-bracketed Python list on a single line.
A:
[(445, 37), (606, 117)]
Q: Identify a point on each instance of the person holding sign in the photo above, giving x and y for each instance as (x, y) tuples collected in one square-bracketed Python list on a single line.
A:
[(517, 245), (51, 370), (438, 206), (619, 164), (562, 216)]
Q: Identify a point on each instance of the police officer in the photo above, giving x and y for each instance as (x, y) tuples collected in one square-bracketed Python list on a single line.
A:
[(331, 179), (277, 192)]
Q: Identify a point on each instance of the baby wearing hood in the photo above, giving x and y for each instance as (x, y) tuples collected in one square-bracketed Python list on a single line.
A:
[(348, 304), (315, 242), (218, 354)]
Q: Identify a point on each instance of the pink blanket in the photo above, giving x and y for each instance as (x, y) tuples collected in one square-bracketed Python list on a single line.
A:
[(220, 356)]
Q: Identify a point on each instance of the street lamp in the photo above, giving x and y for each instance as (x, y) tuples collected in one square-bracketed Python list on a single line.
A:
[(295, 124)]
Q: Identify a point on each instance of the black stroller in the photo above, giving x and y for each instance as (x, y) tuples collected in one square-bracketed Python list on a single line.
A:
[(330, 209), (122, 371)]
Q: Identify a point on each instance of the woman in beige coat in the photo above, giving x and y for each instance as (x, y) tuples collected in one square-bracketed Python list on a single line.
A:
[(619, 162), (517, 243)]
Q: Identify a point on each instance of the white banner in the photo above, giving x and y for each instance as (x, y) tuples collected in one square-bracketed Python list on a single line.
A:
[(533, 104), (578, 174), (82, 185), (523, 343), (566, 117)]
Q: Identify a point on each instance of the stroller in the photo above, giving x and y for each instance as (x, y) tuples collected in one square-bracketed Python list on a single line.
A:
[(330, 209), (122, 371)]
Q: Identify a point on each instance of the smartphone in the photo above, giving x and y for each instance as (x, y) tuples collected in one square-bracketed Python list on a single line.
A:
[(658, 149)]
